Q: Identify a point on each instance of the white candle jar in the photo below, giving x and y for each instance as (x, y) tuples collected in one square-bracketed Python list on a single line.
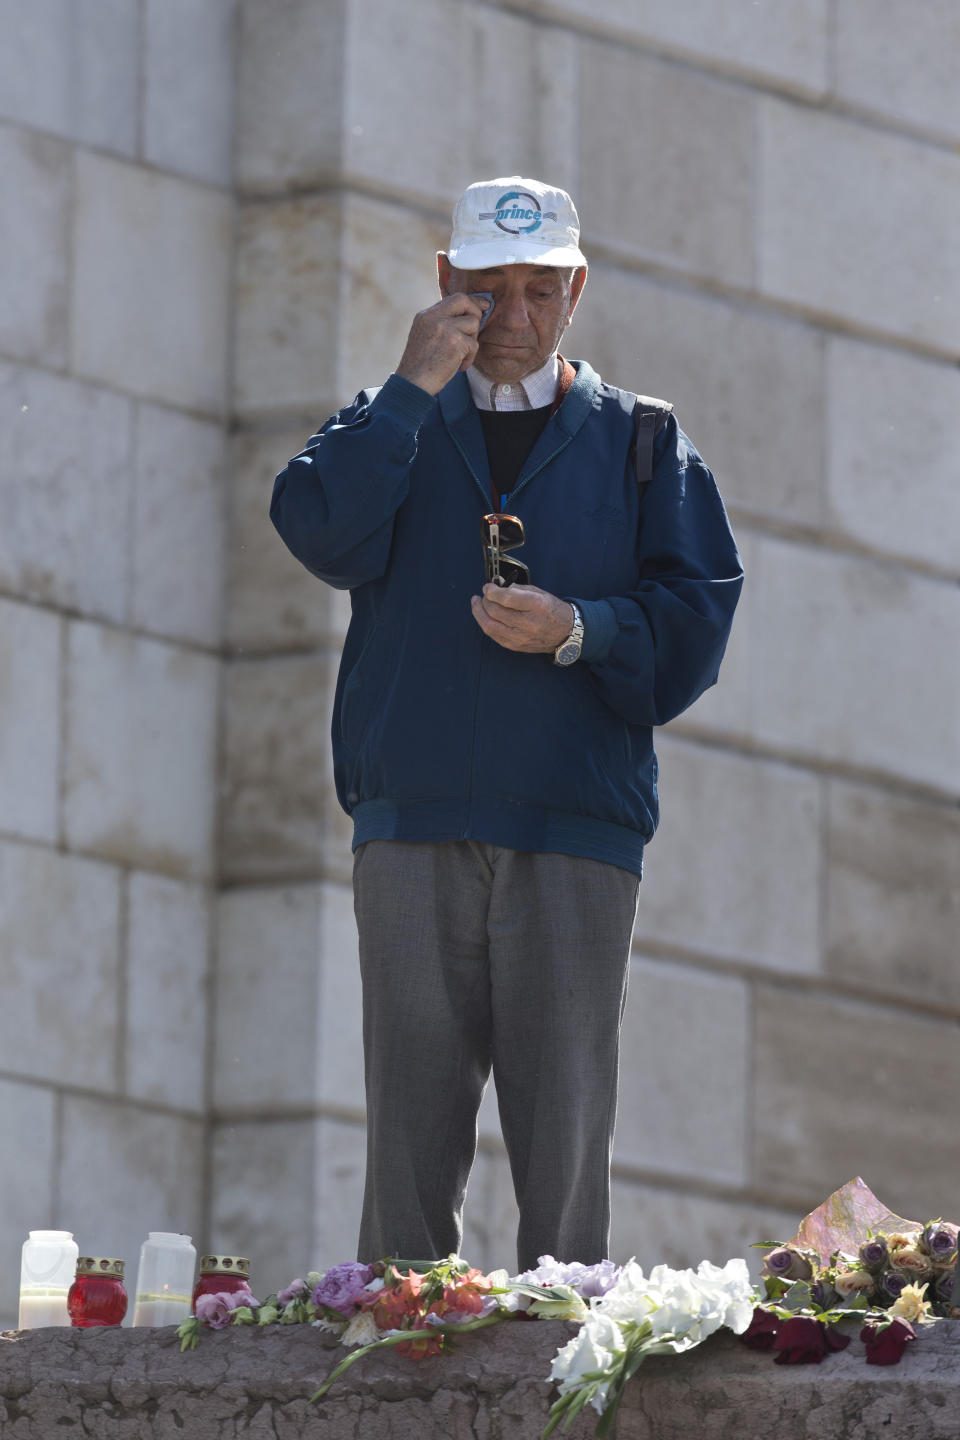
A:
[(164, 1279), (48, 1264)]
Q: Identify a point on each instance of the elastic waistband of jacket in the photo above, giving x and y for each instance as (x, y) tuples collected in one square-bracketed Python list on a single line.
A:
[(516, 827)]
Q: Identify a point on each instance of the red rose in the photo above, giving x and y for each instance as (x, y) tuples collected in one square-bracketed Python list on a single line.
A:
[(886, 1343), (762, 1330), (802, 1341)]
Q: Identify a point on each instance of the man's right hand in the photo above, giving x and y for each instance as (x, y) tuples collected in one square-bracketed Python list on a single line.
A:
[(442, 340)]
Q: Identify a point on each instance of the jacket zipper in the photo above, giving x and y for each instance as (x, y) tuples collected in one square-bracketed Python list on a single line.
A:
[(486, 500)]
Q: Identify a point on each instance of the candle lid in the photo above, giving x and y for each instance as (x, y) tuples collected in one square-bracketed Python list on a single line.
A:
[(224, 1264), (95, 1265)]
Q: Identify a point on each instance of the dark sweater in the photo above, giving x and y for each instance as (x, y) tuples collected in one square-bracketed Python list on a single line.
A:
[(510, 435)]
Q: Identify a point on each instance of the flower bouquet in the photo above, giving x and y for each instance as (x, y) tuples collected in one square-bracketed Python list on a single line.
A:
[(854, 1264)]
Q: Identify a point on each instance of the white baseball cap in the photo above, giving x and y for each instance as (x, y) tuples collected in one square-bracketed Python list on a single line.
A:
[(513, 221)]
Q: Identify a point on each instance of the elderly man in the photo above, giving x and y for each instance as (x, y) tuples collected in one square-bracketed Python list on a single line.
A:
[(492, 728)]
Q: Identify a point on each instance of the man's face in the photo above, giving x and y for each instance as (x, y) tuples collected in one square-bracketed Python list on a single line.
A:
[(533, 307)]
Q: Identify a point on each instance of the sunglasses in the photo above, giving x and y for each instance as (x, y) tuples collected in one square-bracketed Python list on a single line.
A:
[(501, 533)]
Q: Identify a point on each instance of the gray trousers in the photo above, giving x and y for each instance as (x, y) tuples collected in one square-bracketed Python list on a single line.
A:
[(476, 957)]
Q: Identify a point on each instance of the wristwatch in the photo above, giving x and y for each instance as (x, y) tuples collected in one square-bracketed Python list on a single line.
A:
[(569, 651)]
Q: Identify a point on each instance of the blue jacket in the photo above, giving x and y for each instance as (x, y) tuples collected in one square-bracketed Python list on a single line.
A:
[(438, 732)]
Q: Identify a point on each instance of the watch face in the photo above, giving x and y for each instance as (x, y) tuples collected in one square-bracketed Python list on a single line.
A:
[(567, 653)]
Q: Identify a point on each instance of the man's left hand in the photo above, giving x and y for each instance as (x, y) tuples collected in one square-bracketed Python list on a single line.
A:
[(522, 617)]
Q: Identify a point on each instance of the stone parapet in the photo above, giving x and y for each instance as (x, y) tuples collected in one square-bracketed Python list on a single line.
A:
[(120, 1383)]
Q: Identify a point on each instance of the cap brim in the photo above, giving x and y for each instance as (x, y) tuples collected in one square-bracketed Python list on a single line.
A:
[(513, 250)]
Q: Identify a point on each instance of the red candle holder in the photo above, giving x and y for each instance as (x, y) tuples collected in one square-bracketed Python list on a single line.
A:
[(221, 1275), (97, 1296)]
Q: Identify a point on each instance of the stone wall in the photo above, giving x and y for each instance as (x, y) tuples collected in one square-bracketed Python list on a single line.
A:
[(116, 1385), (231, 211), (116, 232)]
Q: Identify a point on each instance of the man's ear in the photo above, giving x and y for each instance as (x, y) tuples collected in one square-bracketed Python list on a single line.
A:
[(577, 281), (443, 272)]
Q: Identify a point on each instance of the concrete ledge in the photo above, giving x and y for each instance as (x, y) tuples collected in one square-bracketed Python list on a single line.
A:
[(135, 1385)]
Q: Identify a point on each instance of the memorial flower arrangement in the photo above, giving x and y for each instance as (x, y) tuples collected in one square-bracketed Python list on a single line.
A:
[(853, 1266)]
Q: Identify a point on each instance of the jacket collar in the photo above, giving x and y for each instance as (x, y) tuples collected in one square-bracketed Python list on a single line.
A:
[(463, 423)]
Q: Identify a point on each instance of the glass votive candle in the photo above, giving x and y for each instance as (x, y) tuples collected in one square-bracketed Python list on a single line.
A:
[(48, 1263), (222, 1275), (97, 1296), (164, 1279)]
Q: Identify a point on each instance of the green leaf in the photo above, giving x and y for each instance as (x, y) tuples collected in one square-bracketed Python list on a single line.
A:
[(798, 1296)]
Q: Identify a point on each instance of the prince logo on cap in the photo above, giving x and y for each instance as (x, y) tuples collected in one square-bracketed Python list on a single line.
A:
[(506, 211)]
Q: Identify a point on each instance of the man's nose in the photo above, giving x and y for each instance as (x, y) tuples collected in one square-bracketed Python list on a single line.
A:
[(512, 312)]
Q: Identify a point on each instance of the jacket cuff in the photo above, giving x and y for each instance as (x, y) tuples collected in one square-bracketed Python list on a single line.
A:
[(599, 627), (405, 401)]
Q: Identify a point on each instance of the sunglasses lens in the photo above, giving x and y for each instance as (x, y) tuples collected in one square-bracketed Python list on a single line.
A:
[(513, 572)]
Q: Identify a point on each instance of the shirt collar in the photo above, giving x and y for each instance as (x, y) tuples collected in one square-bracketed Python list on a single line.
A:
[(540, 387)]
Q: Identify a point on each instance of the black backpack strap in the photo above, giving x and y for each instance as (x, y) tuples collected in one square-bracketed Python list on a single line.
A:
[(649, 417)]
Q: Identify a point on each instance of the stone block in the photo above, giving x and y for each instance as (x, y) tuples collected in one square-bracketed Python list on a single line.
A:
[(179, 540), (340, 1165), (671, 1227), (827, 663), (166, 340), (273, 602), (676, 1117), (124, 1171), (893, 906), (268, 982), (340, 1003), (140, 751), (168, 948), (29, 721), (892, 446), (286, 325), (786, 44), (830, 219), (71, 67), (262, 1202), (694, 210), (735, 377), (248, 1382), (275, 747), (65, 485), (844, 1089), (188, 87), (27, 1143), (900, 62), (59, 938), (490, 1215), (523, 79), (34, 209), (281, 141), (734, 870), (520, 76), (411, 62), (383, 287)]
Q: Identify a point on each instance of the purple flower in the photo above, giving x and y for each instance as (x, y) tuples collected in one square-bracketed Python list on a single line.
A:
[(939, 1240), (214, 1310), (293, 1291), (788, 1264), (823, 1294), (874, 1254), (889, 1285), (341, 1287), (242, 1297), (588, 1280)]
